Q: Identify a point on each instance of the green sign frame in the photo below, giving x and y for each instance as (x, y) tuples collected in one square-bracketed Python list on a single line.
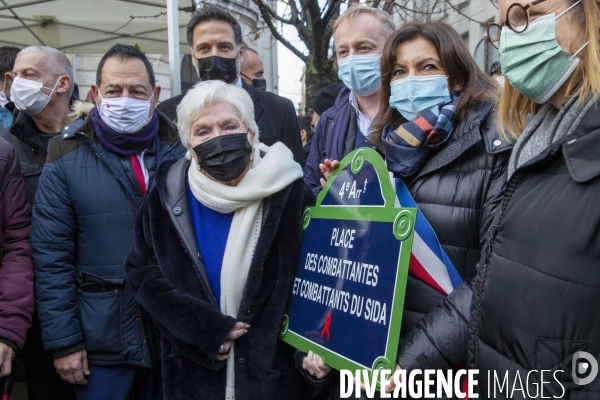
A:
[(403, 220)]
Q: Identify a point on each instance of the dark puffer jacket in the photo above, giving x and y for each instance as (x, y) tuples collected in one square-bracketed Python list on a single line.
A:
[(458, 190), (169, 280), (16, 267), (82, 231), (535, 298)]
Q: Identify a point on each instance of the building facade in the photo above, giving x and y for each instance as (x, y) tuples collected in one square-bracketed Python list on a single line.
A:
[(255, 35), (470, 18)]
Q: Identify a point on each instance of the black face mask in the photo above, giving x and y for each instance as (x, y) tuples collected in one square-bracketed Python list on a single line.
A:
[(215, 68), (224, 157), (260, 84)]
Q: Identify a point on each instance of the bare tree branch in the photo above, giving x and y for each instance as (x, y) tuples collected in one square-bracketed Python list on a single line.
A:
[(300, 26), (388, 5), (278, 18), (333, 7), (463, 14), (266, 15), (432, 9)]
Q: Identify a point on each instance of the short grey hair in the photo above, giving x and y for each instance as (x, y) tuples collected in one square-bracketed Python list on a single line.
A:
[(356, 10), (207, 93), (56, 62)]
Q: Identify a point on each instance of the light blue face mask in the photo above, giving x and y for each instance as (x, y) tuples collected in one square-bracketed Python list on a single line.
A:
[(360, 74), (414, 95), (533, 61)]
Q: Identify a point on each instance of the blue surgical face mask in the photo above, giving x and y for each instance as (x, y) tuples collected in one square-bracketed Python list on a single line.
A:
[(413, 95), (360, 74)]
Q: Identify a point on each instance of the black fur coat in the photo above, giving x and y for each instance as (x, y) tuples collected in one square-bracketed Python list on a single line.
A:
[(169, 281)]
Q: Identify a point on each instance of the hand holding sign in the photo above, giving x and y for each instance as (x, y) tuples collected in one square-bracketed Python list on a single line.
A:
[(327, 168), (315, 366), (351, 275)]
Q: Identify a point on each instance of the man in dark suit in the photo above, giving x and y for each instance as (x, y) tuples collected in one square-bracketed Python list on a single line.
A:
[(215, 39)]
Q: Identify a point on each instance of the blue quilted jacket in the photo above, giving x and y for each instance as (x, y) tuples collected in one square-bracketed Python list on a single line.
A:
[(82, 231)]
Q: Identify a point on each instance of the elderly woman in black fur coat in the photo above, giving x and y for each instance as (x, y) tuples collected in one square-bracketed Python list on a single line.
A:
[(214, 253)]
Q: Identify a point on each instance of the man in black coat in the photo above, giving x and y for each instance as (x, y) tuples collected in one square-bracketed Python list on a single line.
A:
[(215, 39)]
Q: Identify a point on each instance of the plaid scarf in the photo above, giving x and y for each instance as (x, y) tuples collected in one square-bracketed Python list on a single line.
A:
[(407, 147)]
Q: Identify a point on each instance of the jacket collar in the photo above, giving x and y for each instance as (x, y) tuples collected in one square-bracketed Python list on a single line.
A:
[(166, 132), (581, 150), (24, 127), (25, 130), (171, 186), (477, 125), (342, 99)]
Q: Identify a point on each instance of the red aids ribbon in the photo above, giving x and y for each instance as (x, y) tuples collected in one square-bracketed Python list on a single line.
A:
[(326, 327)]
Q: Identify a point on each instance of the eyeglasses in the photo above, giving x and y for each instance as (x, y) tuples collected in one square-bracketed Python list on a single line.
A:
[(517, 20)]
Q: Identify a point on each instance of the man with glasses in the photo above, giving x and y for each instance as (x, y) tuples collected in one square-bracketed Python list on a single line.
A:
[(90, 190)]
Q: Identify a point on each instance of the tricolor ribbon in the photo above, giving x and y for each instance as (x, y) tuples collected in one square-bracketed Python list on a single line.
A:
[(428, 260)]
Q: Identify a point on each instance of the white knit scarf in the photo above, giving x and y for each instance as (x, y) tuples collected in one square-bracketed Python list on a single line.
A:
[(266, 176)]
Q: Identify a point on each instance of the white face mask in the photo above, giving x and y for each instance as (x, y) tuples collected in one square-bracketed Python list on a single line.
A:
[(3, 99), (28, 96), (124, 114)]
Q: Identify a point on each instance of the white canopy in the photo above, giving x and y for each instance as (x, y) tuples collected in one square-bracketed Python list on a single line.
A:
[(93, 26)]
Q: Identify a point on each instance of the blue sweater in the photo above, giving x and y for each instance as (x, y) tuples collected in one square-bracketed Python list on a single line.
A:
[(211, 229)]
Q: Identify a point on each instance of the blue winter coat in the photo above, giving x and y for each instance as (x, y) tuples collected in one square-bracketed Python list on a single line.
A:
[(82, 231), (329, 140)]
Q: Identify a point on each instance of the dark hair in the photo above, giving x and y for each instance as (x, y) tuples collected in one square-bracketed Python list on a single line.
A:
[(210, 12), (122, 52), (305, 123), (8, 55), (462, 70)]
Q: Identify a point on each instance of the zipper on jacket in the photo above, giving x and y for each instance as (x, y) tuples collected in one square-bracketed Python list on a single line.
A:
[(514, 182)]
